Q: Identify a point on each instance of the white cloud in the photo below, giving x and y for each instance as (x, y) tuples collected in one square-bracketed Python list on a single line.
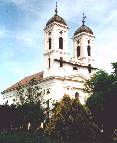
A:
[(106, 51), (3, 32), (16, 2), (30, 6), (111, 19)]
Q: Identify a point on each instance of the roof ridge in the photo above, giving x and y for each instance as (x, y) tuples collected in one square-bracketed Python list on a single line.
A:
[(24, 81)]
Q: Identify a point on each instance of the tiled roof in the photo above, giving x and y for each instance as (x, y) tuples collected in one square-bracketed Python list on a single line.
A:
[(83, 28), (56, 18), (37, 76)]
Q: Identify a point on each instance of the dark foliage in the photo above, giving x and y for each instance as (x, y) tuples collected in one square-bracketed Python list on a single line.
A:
[(17, 117), (23, 137), (71, 123), (103, 101)]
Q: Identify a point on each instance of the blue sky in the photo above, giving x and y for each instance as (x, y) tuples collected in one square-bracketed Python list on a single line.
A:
[(22, 37)]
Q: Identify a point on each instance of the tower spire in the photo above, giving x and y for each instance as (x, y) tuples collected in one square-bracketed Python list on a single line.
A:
[(83, 20), (56, 10)]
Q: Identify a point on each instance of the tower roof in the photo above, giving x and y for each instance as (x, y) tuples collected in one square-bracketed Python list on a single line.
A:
[(56, 18), (83, 28)]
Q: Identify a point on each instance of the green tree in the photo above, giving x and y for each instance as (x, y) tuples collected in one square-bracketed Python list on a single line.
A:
[(31, 93), (30, 104), (114, 66), (102, 88), (32, 114), (71, 123), (10, 117)]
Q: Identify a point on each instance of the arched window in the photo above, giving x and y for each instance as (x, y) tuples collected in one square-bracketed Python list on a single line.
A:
[(89, 50), (78, 41), (61, 62), (60, 43), (89, 68), (50, 43), (78, 51), (49, 62), (88, 41)]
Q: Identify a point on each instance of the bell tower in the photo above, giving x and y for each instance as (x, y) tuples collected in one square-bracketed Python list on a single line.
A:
[(55, 45), (83, 45)]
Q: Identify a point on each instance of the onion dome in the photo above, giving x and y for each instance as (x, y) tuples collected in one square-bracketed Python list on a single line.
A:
[(56, 18), (83, 28)]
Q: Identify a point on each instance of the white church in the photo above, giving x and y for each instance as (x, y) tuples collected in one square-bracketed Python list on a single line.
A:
[(62, 74)]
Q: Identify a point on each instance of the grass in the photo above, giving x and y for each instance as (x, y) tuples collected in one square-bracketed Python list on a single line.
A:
[(22, 137), (18, 137)]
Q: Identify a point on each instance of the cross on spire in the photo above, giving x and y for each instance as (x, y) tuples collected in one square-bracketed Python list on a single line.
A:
[(83, 20), (56, 11)]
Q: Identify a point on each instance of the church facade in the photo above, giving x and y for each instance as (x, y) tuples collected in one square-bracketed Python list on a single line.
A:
[(61, 74)]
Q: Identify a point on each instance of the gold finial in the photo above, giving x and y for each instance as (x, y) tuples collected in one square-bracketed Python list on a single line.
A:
[(56, 11), (83, 20)]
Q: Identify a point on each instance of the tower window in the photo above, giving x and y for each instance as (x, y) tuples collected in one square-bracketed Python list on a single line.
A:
[(60, 43), (78, 51), (50, 43), (49, 62), (74, 68), (61, 32), (78, 42), (88, 41), (49, 33), (89, 50), (61, 62)]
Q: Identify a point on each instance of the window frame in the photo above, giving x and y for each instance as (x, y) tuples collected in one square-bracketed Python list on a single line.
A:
[(61, 43)]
